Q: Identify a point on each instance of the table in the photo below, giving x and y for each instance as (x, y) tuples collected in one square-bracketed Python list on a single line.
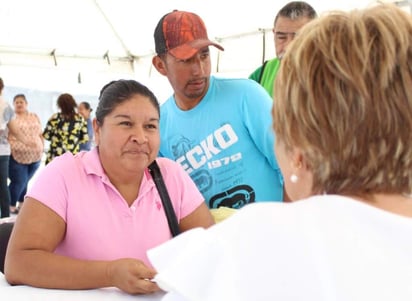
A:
[(23, 292)]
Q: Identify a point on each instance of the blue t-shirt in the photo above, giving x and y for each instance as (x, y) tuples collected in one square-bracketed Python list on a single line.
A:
[(225, 143)]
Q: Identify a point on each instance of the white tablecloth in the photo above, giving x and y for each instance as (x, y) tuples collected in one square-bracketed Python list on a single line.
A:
[(22, 292)]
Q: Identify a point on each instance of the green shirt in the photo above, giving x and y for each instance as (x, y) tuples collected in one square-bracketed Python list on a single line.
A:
[(267, 78)]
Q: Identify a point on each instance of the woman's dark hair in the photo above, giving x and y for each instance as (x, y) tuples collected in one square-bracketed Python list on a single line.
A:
[(19, 96), (1, 84), (116, 92), (67, 105), (86, 105)]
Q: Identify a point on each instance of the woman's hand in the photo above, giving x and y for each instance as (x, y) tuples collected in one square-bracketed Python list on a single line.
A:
[(131, 276)]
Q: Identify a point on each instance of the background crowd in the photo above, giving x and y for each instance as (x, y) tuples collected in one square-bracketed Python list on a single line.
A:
[(24, 138)]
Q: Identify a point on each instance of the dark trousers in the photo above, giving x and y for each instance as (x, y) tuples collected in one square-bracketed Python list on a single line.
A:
[(4, 190), (20, 175)]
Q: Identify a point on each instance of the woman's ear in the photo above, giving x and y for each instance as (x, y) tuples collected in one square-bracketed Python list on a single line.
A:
[(298, 160), (96, 130), (160, 65), (301, 177)]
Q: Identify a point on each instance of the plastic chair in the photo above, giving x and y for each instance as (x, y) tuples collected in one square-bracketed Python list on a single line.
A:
[(5, 232)]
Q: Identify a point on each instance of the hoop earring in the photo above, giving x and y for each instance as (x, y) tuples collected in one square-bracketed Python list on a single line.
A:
[(294, 178)]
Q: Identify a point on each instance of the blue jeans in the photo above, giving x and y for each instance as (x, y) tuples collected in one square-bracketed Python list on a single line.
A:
[(4, 190), (20, 175)]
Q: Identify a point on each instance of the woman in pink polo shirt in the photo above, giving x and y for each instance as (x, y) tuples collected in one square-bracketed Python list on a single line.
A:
[(89, 218)]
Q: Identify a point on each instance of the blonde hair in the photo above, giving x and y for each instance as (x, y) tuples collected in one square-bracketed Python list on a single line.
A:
[(343, 96)]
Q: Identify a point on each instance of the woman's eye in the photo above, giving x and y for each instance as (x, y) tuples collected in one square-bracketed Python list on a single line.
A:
[(151, 126)]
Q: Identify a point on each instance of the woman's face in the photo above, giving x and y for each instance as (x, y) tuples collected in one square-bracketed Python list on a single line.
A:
[(83, 111), (20, 105), (129, 138)]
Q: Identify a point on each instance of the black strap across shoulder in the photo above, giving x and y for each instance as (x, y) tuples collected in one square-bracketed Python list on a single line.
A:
[(261, 71), (164, 195)]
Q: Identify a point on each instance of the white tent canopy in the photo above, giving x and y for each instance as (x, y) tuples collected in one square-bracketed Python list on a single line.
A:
[(79, 45)]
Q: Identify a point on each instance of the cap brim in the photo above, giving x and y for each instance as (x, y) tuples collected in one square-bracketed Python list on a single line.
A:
[(186, 51)]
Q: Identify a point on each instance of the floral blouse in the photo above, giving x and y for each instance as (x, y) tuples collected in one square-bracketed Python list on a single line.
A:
[(64, 135)]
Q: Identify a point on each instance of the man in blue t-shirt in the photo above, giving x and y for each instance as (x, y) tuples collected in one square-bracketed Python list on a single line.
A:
[(218, 129)]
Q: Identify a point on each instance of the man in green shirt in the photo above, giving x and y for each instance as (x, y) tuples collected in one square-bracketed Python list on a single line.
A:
[(289, 20)]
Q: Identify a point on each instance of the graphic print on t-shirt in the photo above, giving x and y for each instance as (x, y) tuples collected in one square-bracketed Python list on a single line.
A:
[(211, 164)]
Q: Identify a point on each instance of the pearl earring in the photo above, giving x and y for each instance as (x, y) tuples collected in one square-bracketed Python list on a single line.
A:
[(294, 178)]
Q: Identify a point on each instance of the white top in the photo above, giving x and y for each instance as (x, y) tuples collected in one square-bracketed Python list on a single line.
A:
[(323, 248), (6, 114)]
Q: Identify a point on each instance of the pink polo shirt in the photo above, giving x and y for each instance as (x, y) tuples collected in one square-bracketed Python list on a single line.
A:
[(99, 223)]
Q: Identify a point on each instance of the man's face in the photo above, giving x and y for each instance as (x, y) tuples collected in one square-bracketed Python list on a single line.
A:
[(189, 78), (284, 32)]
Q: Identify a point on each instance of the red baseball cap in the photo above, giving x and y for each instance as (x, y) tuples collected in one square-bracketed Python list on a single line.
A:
[(182, 34)]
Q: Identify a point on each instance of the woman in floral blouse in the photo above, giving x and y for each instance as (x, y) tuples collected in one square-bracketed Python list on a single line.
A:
[(24, 159), (65, 130)]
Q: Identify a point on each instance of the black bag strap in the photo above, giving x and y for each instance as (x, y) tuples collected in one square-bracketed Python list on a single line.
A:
[(261, 71), (164, 195)]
